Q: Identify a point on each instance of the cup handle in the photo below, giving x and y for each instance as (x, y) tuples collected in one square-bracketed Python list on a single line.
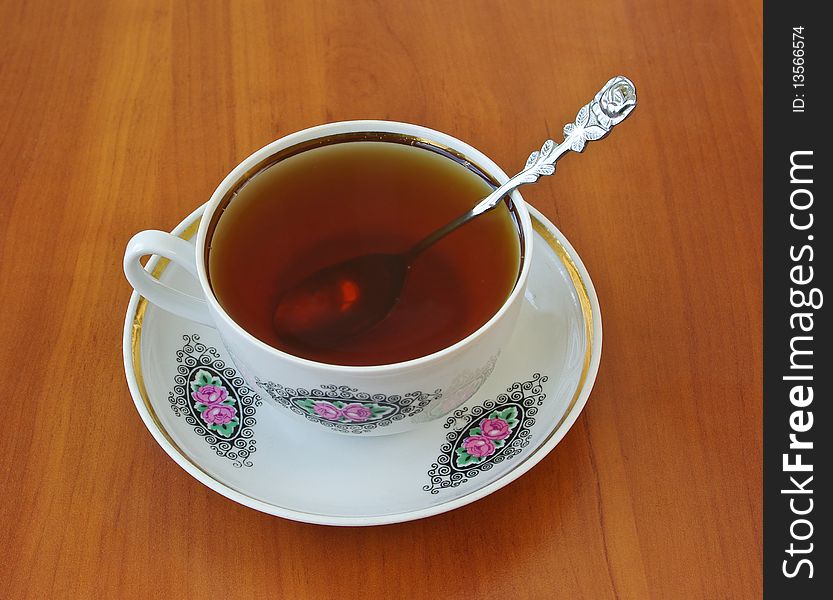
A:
[(178, 251)]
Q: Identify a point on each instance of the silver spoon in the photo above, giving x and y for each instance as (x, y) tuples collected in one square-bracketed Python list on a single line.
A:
[(348, 298)]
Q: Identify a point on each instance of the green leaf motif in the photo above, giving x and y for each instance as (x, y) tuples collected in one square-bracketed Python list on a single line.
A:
[(307, 404), (378, 411), (465, 459), (227, 429), (200, 407), (475, 431), (205, 378)]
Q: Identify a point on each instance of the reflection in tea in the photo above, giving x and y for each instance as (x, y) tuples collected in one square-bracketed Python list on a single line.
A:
[(335, 202)]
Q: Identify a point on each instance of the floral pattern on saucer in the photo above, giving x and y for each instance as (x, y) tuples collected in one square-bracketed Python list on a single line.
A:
[(214, 399), (345, 409), (487, 434)]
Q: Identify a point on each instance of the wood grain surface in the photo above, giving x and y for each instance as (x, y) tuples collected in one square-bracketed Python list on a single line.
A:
[(124, 115)]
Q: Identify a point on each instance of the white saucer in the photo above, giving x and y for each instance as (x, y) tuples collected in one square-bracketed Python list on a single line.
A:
[(278, 465)]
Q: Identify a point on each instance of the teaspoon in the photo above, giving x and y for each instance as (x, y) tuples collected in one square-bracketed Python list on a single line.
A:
[(348, 298)]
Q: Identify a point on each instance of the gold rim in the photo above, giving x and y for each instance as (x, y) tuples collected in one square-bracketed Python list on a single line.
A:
[(572, 270)]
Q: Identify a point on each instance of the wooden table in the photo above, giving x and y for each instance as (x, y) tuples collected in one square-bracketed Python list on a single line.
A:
[(123, 115)]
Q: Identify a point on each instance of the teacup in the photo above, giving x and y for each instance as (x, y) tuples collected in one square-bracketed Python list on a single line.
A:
[(368, 400)]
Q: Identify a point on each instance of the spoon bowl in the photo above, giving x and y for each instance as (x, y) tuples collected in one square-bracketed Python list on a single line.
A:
[(342, 300)]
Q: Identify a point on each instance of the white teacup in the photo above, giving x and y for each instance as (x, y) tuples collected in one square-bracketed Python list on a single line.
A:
[(370, 400)]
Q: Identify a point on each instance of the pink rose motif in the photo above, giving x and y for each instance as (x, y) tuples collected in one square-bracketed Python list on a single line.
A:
[(356, 412), (327, 410), (479, 446), (495, 429), (219, 414), (210, 395)]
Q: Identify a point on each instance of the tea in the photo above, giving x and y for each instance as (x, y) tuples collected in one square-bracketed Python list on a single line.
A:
[(321, 205)]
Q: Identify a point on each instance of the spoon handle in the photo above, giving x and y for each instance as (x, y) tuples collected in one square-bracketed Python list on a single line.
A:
[(595, 120)]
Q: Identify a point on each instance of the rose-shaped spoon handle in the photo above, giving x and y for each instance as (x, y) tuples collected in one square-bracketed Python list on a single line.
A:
[(609, 107)]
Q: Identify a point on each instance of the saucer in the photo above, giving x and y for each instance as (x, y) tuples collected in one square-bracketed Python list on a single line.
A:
[(269, 461)]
